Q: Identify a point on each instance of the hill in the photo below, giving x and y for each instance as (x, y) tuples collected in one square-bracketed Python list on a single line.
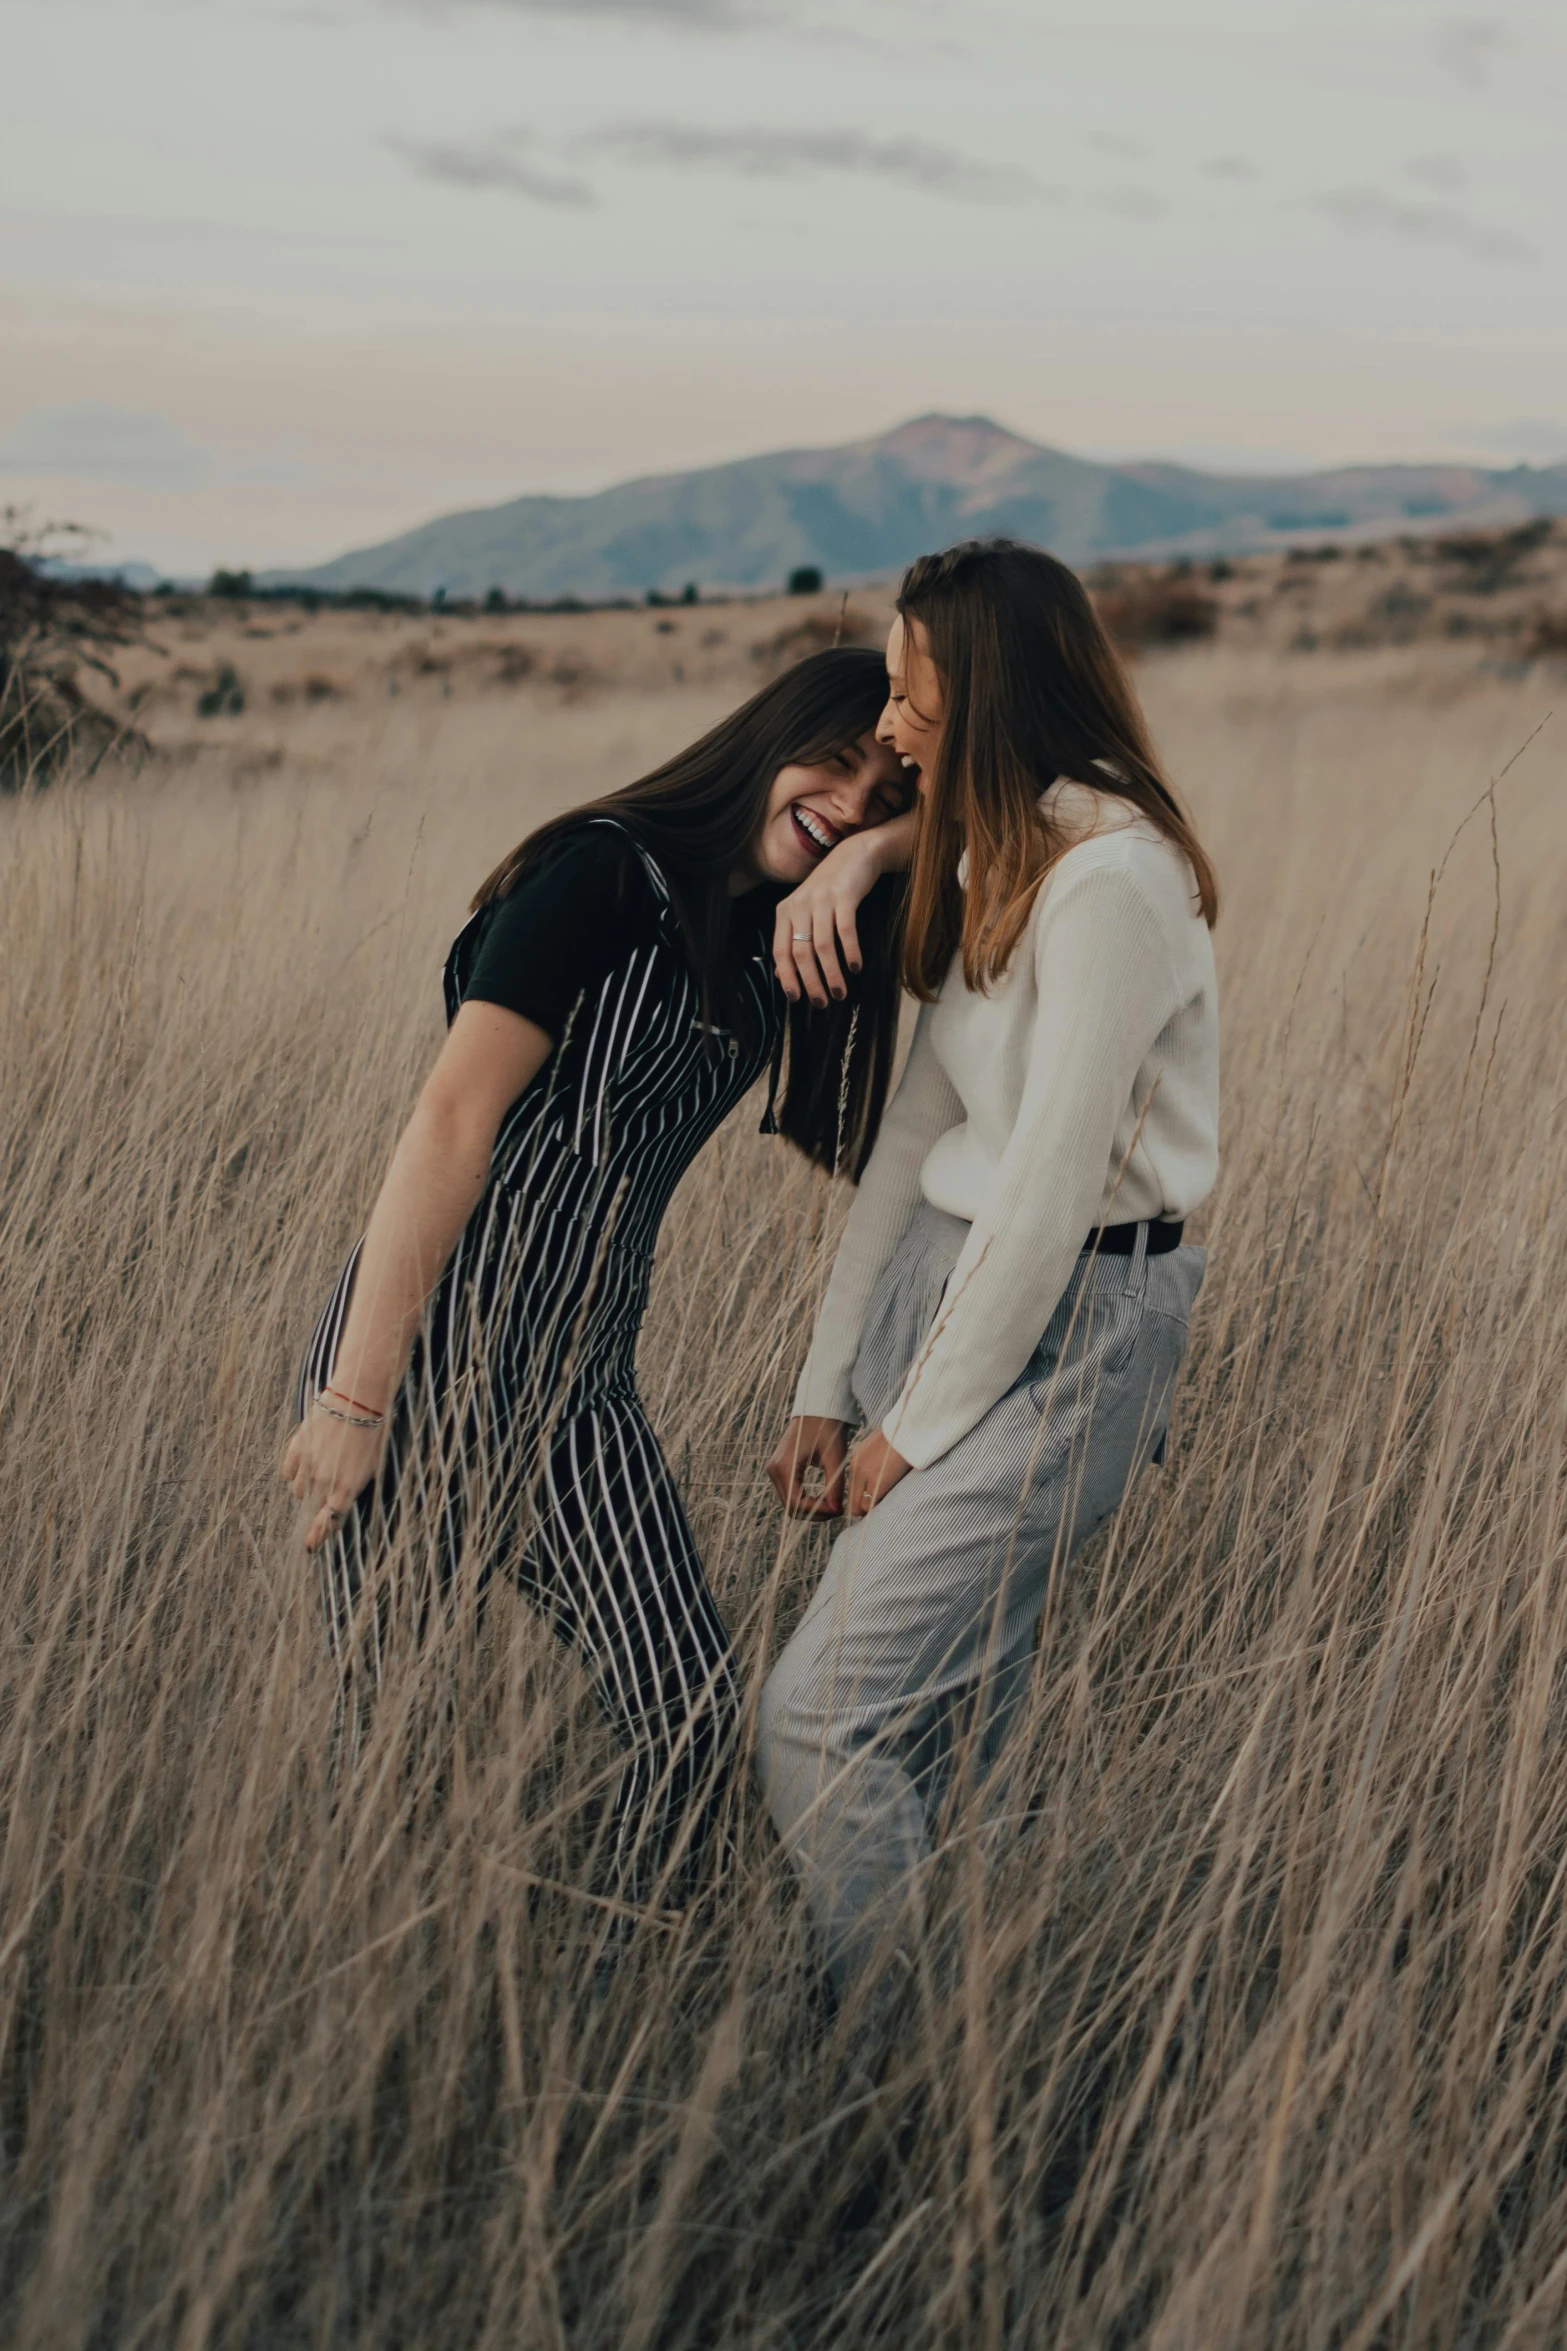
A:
[(865, 509)]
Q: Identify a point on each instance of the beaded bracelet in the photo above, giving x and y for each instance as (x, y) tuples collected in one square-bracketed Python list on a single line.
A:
[(355, 1420)]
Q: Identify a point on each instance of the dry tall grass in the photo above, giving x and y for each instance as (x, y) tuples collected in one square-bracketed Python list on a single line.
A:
[(1247, 2028)]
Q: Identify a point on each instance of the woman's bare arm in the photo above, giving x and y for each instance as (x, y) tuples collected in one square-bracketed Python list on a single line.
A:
[(814, 926), (432, 1187)]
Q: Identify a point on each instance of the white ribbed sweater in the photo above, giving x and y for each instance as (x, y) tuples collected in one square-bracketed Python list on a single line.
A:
[(1083, 1089)]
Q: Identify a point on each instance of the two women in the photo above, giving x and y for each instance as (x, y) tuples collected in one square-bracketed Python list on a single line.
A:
[(468, 1403), (1010, 1301)]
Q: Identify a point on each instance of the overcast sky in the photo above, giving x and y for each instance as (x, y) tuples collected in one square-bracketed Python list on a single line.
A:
[(279, 277)]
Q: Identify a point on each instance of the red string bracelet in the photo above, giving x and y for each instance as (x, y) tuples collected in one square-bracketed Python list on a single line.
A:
[(344, 1397)]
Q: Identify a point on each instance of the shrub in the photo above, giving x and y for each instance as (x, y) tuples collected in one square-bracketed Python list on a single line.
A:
[(1399, 611), (49, 629), (1162, 608), (1487, 560), (1546, 638), (225, 697), (381, 600), (805, 580)]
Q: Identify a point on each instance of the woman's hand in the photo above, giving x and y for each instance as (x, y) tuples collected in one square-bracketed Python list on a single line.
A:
[(811, 1441), (814, 933), (327, 1464), (875, 1466)]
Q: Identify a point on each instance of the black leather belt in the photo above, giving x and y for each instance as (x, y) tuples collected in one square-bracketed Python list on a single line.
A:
[(1120, 1240)]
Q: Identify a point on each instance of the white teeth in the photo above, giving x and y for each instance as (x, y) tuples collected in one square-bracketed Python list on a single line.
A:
[(908, 762), (814, 827)]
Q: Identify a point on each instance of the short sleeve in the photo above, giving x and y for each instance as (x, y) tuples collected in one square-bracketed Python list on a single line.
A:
[(556, 936)]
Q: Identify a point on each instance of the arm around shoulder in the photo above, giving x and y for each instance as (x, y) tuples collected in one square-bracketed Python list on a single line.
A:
[(816, 935)]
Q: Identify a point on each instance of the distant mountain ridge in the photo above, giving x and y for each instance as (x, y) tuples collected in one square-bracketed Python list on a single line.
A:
[(867, 508)]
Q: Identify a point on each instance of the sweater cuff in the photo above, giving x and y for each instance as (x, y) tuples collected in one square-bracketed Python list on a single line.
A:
[(919, 1447), (825, 1396)]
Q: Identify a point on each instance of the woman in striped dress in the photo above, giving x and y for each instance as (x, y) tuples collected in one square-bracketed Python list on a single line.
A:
[(468, 1403)]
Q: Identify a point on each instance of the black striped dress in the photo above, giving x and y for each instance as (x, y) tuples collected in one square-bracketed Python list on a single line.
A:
[(518, 1443)]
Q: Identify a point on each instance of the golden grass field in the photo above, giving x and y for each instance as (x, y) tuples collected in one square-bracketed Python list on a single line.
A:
[(1246, 2027)]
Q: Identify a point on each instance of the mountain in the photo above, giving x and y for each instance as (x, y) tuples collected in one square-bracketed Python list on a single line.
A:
[(137, 576), (867, 508)]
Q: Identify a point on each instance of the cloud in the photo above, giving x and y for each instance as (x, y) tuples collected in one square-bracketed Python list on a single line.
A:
[(1229, 167), (704, 15), (821, 22), (507, 159), (131, 445), (780, 154), (1128, 202), (1369, 212), (1443, 172), (1468, 46), (496, 163)]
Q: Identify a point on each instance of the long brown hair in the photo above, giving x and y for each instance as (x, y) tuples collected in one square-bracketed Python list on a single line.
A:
[(697, 816), (1032, 690)]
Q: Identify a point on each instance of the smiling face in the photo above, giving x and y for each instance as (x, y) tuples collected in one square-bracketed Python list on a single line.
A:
[(809, 809), (910, 726)]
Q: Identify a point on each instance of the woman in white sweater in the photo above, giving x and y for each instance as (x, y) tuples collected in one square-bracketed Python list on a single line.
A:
[(1009, 1303)]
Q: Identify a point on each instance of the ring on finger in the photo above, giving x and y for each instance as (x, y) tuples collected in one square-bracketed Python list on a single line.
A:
[(802, 938)]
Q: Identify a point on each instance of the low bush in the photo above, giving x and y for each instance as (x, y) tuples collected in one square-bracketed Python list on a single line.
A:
[(1142, 609)]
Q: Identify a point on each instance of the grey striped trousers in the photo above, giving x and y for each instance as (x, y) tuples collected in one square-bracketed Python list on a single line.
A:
[(918, 1643)]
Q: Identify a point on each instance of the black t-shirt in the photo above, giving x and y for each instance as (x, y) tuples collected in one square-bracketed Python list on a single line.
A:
[(557, 934), (578, 913)]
